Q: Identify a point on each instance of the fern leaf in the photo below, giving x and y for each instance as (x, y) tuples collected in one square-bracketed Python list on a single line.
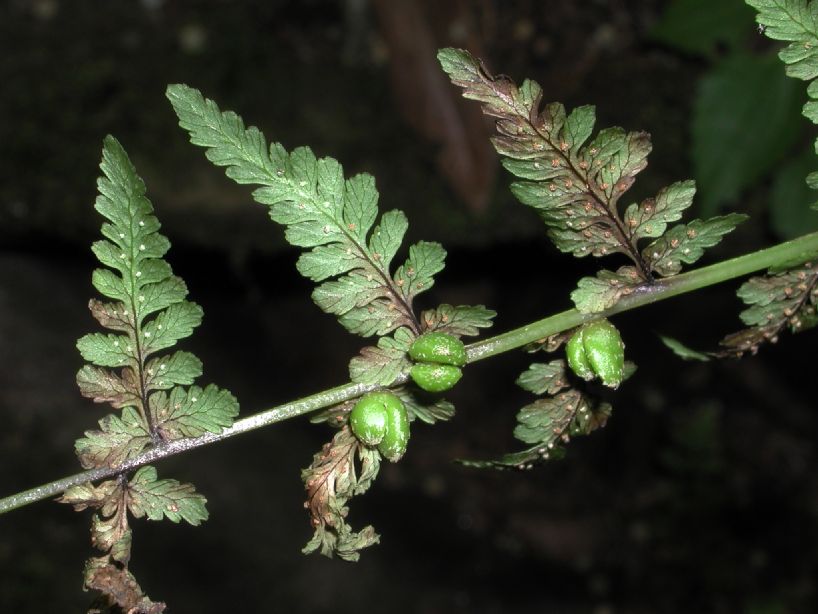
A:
[(192, 412), (85, 496), (110, 532), (113, 535), (104, 386), (462, 320), (128, 371), (120, 590), (383, 363), (118, 440), (575, 185), (332, 479), (777, 301), (783, 298), (349, 252), (575, 182), (795, 21), (177, 369), (333, 218), (551, 420), (524, 459), (596, 294), (682, 351), (542, 378), (150, 314), (548, 423), (650, 218), (144, 495), (428, 411), (157, 499), (686, 243)]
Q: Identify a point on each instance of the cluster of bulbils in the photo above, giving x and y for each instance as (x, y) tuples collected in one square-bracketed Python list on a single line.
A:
[(596, 350), (379, 419)]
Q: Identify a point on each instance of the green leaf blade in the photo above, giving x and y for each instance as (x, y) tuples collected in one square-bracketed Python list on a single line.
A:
[(462, 320), (650, 218), (778, 301), (175, 322), (158, 296), (686, 243), (427, 411), (156, 499), (342, 295), (104, 386), (682, 351), (192, 412), (388, 236), (107, 350), (789, 20), (543, 378), (596, 294), (110, 285), (242, 151), (117, 441), (360, 205), (384, 363), (578, 127), (376, 318), (426, 259), (178, 369), (327, 261)]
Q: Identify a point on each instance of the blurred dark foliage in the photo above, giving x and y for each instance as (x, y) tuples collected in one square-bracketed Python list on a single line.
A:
[(699, 496)]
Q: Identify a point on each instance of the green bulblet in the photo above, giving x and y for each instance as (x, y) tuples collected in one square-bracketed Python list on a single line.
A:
[(596, 350), (435, 378), (393, 445), (380, 419), (368, 418), (439, 348), (606, 352), (577, 358)]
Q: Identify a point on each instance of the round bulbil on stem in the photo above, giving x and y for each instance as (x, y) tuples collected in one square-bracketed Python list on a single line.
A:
[(597, 350), (435, 378), (438, 348)]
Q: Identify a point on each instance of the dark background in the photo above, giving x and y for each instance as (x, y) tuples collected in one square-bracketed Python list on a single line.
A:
[(701, 494)]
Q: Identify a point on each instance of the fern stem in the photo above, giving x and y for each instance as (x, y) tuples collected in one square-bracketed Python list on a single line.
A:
[(305, 405), (789, 253)]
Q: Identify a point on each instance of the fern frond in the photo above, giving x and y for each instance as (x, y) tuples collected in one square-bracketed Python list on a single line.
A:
[(149, 314), (342, 469), (128, 370), (575, 183), (777, 301), (334, 218), (548, 423), (685, 243), (143, 495), (795, 21)]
